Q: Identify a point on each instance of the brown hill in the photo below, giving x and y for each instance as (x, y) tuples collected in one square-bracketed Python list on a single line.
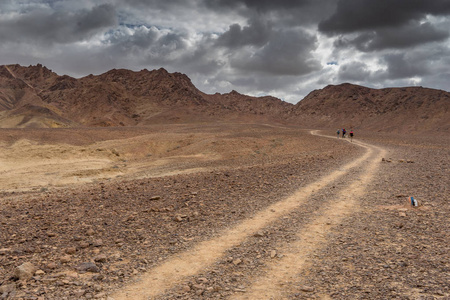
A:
[(409, 109), (35, 96), (120, 98)]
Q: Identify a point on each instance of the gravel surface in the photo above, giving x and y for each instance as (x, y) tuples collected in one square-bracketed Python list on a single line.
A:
[(85, 242)]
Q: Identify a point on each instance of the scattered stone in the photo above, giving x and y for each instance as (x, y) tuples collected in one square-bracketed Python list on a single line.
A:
[(100, 295), (65, 259), (7, 288), (402, 214), (202, 280), (98, 243), (273, 254), (51, 265), (100, 258), (90, 232), (155, 198), (237, 261), (259, 234), (178, 219), (39, 272), (88, 267), (186, 289), (25, 271), (5, 251), (70, 250), (84, 245), (307, 289), (79, 293)]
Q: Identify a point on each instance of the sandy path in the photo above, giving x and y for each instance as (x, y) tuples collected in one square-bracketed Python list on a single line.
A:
[(281, 273), (177, 268)]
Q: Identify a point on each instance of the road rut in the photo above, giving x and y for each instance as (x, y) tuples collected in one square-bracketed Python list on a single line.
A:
[(174, 270)]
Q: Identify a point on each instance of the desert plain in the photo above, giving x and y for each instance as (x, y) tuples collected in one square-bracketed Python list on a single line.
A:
[(223, 211)]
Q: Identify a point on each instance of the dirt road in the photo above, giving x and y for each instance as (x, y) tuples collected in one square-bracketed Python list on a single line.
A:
[(223, 211), (295, 255)]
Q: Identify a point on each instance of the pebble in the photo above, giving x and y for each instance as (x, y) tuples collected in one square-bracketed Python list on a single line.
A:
[(100, 258), (25, 271), (88, 267)]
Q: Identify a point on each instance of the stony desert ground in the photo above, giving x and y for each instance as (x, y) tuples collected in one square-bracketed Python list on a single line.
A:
[(222, 211)]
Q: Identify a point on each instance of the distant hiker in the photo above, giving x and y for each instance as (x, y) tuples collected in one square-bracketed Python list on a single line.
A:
[(343, 132), (338, 133), (351, 135)]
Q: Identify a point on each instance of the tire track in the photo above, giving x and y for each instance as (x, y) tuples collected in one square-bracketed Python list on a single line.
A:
[(279, 280), (174, 270)]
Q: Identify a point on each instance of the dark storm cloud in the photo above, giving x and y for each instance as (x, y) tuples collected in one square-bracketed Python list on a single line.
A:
[(254, 46), (286, 53), (259, 5), (396, 38), (48, 27), (257, 33), (360, 15)]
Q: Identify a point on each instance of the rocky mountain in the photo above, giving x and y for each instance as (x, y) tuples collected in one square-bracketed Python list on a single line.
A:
[(34, 96), (408, 109)]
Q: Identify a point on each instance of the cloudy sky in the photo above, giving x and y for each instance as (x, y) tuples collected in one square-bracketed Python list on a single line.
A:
[(284, 48)]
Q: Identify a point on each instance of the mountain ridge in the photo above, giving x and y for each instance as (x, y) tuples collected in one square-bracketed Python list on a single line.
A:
[(35, 96)]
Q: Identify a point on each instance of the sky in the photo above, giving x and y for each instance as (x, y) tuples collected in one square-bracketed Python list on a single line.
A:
[(283, 48)]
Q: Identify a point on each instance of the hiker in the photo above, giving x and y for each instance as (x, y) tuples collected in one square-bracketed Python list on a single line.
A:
[(343, 132), (338, 133), (351, 135)]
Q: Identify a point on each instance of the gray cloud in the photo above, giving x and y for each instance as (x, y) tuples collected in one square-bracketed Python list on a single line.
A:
[(354, 72), (257, 33), (253, 46), (45, 26), (395, 38), (361, 15), (287, 53)]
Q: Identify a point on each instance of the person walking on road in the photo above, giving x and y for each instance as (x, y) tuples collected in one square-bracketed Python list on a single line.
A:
[(343, 132), (338, 133), (351, 135)]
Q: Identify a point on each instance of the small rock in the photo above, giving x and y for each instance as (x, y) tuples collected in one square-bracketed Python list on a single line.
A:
[(52, 266), (65, 259), (79, 293), (100, 258), (97, 243), (39, 272), (88, 267), (237, 261), (307, 289), (25, 271), (70, 250), (100, 295), (84, 245), (51, 234), (90, 232), (402, 214), (4, 251), (7, 288), (178, 219), (273, 253), (155, 198), (185, 289), (259, 234)]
